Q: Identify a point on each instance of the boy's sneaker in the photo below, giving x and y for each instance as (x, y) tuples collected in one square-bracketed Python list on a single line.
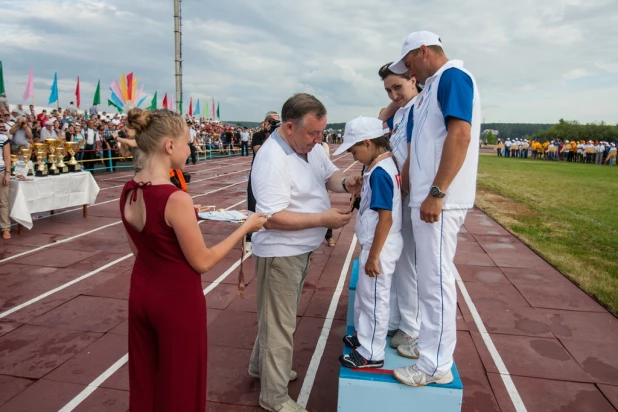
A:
[(413, 376), (354, 360), (402, 338), (409, 351), (287, 406), (351, 341), (392, 333)]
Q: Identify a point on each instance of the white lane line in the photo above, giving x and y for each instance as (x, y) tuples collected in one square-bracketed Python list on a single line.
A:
[(191, 182), (100, 228), (66, 285), (518, 403), (92, 386), (312, 370)]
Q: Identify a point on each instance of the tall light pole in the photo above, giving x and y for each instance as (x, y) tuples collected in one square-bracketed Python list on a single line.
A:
[(178, 50)]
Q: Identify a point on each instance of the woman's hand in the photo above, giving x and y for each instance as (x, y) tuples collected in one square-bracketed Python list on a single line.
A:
[(255, 222)]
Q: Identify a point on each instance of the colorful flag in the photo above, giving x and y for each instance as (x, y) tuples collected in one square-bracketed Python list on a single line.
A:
[(141, 101), (197, 108), (53, 96), (78, 97), (206, 110), (110, 103), (153, 103), (29, 92), (165, 101), (172, 105), (218, 117), (130, 87), (123, 89), (117, 102), (97, 95), (213, 108), (180, 106), (190, 107), (1, 80), (117, 89)]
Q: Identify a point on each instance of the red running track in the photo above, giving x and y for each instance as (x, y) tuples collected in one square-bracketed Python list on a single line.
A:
[(528, 339)]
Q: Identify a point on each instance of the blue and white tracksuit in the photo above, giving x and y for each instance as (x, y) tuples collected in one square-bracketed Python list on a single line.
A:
[(404, 294), (450, 93), (381, 190)]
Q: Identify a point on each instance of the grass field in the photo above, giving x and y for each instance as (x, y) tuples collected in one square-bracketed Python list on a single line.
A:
[(566, 212)]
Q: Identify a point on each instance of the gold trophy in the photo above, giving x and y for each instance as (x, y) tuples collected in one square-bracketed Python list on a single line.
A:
[(61, 153), (26, 153), (14, 160), (40, 149), (51, 159), (71, 147)]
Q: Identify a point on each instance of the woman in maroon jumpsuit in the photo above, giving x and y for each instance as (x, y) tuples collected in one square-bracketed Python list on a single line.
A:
[(167, 308)]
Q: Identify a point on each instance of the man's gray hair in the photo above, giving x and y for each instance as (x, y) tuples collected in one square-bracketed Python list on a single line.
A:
[(271, 113)]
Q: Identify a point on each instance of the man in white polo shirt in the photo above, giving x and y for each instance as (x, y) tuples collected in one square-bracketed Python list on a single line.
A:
[(443, 166), (291, 177)]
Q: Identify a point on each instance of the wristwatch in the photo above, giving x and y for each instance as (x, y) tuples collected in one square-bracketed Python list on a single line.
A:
[(436, 192)]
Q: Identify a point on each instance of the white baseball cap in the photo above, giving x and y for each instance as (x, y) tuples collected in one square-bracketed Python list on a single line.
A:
[(414, 41), (359, 129)]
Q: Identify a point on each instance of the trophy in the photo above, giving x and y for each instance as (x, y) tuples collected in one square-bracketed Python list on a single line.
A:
[(51, 160), (71, 147), (40, 149), (60, 160), (14, 159), (25, 155)]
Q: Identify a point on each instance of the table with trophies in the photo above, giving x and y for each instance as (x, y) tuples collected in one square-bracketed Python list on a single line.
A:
[(50, 183)]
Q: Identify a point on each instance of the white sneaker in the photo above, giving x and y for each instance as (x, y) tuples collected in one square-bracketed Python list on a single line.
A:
[(409, 350), (413, 376), (287, 406), (402, 338)]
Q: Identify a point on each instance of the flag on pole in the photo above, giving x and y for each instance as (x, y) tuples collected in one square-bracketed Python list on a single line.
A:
[(97, 95), (78, 97), (180, 106), (141, 101), (218, 117), (206, 109), (165, 101), (172, 105), (130, 86), (190, 107), (123, 89), (110, 103), (53, 96), (29, 92), (213, 108), (153, 103), (197, 108), (1, 80)]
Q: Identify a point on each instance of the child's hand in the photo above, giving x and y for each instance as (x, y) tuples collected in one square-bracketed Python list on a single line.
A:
[(372, 267)]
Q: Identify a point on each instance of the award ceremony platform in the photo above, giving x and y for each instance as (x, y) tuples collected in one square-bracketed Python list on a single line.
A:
[(367, 390)]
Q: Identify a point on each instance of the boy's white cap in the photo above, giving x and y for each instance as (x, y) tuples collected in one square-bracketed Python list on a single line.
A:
[(414, 41), (360, 129)]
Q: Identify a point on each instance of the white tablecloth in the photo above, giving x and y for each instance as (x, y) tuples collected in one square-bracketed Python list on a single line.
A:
[(42, 194)]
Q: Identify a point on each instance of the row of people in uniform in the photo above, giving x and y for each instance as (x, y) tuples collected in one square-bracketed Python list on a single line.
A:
[(599, 152)]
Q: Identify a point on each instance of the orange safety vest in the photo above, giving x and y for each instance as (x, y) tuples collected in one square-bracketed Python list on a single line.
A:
[(177, 174)]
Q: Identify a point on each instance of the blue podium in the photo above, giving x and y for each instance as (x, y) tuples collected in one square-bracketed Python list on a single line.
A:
[(370, 390)]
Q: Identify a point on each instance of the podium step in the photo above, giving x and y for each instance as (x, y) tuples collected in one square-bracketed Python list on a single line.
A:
[(370, 390)]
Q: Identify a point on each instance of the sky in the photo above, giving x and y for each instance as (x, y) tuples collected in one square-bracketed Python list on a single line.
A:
[(534, 62)]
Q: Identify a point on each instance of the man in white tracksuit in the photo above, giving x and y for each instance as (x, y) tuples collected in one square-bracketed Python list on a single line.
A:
[(443, 166)]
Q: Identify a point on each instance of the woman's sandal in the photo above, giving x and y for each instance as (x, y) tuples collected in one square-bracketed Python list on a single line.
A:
[(331, 242), (6, 234)]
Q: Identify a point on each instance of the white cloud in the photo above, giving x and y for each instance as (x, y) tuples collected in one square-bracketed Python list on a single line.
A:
[(534, 61)]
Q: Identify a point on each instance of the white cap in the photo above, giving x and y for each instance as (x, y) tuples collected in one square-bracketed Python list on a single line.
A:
[(360, 129), (414, 41)]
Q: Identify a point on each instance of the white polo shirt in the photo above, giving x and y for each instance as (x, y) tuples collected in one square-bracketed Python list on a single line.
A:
[(282, 180)]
